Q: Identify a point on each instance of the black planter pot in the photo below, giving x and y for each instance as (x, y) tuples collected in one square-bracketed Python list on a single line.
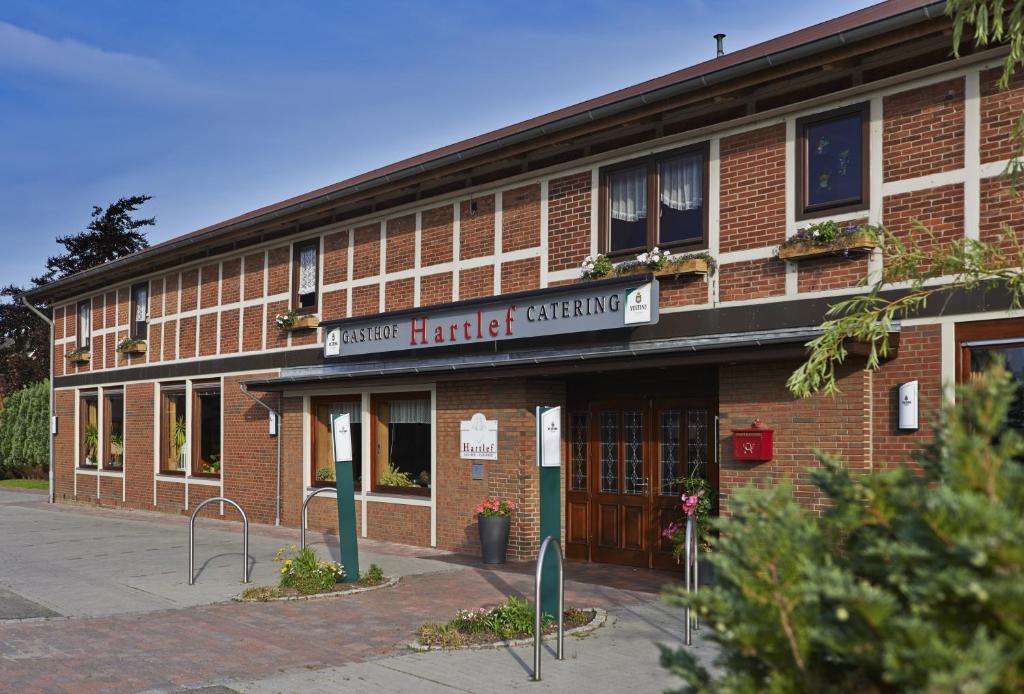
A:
[(493, 537)]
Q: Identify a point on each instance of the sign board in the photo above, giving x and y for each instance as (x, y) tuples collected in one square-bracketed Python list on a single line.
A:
[(478, 438), (558, 311), (342, 430), (549, 447)]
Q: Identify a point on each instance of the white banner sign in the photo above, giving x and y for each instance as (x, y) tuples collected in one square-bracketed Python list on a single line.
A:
[(342, 431), (478, 438), (550, 448)]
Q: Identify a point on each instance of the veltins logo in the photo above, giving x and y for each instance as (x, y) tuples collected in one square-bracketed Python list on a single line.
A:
[(638, 305)]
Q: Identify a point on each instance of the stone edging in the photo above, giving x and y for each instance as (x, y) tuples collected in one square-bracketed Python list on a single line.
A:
[(393, 581), (600, 619)]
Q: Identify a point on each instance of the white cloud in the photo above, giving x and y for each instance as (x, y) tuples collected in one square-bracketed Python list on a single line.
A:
[(73, 61)]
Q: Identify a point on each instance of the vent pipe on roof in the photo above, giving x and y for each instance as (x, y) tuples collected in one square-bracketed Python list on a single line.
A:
[(719, 38)]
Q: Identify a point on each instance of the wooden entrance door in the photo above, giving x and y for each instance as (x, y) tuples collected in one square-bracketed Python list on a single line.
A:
[(626, 458)]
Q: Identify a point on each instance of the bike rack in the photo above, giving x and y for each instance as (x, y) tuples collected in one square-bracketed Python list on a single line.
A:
[(691, 575), (192, 538), (538, 574), (302, 532)]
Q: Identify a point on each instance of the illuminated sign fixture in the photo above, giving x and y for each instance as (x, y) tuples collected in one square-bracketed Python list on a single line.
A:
[(608, 305)]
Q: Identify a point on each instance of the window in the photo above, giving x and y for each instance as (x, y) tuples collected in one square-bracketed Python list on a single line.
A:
[(677, 181), (984, 341), (88, 432), (173, 429), (323, 441), (402, 443), (139, 311), (832, 162), (206, 429), (113, 429), (84, 324), (305, 276)]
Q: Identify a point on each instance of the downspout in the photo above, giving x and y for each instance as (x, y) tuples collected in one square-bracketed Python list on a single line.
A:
[(53, 355), (277, 418)]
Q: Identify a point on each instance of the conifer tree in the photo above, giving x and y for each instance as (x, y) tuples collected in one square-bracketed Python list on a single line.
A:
[(911, 580)]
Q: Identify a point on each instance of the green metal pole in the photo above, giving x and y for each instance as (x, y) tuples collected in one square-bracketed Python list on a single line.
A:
[(347, 520)]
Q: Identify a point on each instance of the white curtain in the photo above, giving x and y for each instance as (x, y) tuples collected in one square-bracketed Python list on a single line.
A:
[(307, 271), (141, 299), (409, 412), (353, 408), (682, 187), (629, 195)]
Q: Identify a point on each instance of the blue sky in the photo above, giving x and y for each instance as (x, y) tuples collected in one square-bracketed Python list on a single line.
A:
[(216, 108)]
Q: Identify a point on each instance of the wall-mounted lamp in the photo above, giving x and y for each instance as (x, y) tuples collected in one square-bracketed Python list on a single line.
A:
[(272, 430), (907, 406)]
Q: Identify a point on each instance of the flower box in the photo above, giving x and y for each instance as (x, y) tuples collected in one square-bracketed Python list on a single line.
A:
[(692, 266), (138, 347), (303, 323), (857, 242), (80, 357)]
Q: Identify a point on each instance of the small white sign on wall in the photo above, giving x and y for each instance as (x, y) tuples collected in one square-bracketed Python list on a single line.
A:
[(637, 309), (342, 430), (478, 438)]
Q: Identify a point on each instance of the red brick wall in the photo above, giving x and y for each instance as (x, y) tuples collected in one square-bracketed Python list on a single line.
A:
[(189, 289), (334, 305), (231, 281), (398, 294), (366, 252), (250, 452), (1000, 208), (940, 210), (999, 111), (569, 203), (336, 257), (476, 229), (209, 285), (401, 238), (520, 275), (254, 275), (279, 267), (520, 218), (751, 279), (409, 525), (138, 444), (229, 331), (476, 282), (252, 328), (682, 291), (436, 288), (207, 334), (836, 425), (436, 227), (275, 336), (64, 445), (923, 130), (821, 274), (366, 300), (753, 186)]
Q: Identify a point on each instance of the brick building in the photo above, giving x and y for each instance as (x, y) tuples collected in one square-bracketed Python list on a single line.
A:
[(449, 284)]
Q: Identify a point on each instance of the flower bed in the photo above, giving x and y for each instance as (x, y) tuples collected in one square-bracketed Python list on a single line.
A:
[(303, 575), (502, 625), (827, 238), (276, 593)]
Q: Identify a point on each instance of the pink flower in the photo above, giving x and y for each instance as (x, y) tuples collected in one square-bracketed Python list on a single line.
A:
[(669, 533)]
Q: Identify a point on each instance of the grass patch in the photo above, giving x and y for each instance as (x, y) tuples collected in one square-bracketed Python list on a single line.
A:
[(513, 619), (44, 485)]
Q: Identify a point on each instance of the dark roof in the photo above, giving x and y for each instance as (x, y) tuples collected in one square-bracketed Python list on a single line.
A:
[(759, 56)]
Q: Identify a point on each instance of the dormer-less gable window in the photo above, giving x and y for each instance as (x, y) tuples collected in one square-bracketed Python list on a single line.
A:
[(832, 162), (305, 276), (139, 311), (84, 324)]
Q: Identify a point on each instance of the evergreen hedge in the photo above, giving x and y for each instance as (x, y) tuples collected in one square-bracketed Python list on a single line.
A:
[(25, 432)]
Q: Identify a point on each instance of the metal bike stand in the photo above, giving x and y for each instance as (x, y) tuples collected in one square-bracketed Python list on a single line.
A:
[(192, 538), (538, 574), (302, 532), (691, 575)]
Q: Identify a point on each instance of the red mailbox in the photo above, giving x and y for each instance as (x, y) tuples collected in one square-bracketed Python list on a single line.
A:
[(753, 444)]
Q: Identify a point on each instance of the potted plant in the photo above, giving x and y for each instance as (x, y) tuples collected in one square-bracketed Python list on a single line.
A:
[(116, 450), (293, 320), (494, 520), (131, 346), (91, 444), (828, 238), (178, 442), (79, 356)]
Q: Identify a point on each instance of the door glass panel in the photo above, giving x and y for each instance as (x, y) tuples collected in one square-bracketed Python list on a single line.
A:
[(633, 432), (609, 452), (578, 436), (697, 442), (668, 452)]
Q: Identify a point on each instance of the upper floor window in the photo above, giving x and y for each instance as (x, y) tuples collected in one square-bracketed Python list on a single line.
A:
[(675, 182), (832, 162), (139, 311), (84, 324), (305, 276)]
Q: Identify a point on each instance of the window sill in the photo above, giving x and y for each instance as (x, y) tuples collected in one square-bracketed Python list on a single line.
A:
[(386, 493)]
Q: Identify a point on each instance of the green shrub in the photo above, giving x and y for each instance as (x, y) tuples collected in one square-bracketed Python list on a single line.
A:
[(512, 617), (908, 581), (25, 432), (307, 574)]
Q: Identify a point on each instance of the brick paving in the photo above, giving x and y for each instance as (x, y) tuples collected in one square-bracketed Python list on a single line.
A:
[(215, 643)]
